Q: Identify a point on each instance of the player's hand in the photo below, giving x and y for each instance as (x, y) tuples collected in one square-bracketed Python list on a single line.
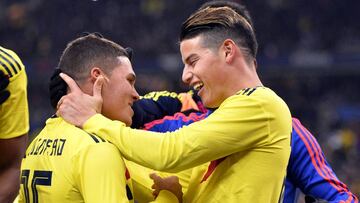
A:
[(170, 183), (4, 82), (77, 107), (57, 88)]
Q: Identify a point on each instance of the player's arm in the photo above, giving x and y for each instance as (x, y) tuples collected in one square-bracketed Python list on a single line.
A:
[(101, 174), (12, 151), (165, 196), (14, 122), (156, 105), (217, 136), (140, 175), (172, 123), (310, 171)]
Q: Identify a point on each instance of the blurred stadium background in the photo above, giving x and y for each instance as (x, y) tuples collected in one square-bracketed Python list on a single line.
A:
[(309, 53)]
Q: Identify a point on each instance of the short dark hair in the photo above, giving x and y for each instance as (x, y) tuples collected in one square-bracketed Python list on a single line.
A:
[(217, 23), (238, 8), (83, 53)]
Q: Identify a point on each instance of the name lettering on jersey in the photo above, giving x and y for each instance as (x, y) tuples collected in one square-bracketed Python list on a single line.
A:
[(49, 147), (155, 95)]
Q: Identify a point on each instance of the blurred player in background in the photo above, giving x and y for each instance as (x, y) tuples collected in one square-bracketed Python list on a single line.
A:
[(246, 135), (14, 122)]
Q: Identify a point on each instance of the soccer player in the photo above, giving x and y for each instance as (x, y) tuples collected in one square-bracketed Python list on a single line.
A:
[(14, 122), (243, 138), (66, 164), (307, 170)]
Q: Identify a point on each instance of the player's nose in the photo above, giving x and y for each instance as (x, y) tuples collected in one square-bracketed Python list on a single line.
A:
[(186, 75)]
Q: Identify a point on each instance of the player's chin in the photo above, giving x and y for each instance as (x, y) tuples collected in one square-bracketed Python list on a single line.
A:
[(128, 123), (128, 119), (209, 103)]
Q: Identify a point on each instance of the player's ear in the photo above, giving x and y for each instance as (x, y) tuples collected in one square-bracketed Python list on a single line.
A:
[(229, 48), (95, 73)]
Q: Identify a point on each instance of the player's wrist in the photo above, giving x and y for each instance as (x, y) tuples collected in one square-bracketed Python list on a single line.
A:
[(168, 196), (93, 120)]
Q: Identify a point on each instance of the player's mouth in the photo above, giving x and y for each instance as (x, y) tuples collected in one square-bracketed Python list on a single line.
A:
[(131, 110), (198, 86)]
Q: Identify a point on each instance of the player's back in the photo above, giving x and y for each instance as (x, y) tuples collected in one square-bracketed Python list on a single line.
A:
[(56, 167)]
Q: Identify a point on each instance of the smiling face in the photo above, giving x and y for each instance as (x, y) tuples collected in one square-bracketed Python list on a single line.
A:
[(119, 93), (204, 70)]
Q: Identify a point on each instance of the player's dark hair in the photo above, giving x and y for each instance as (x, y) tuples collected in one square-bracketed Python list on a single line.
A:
[(216, 24), (89, 51), (238, 8)]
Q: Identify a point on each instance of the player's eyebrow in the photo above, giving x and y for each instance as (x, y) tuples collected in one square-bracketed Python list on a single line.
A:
[(188, 59)]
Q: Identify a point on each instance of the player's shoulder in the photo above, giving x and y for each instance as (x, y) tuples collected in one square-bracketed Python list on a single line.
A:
[(10, 62), (260, 96), (76, 136), (253, 92), (259, 93), (84, 139)]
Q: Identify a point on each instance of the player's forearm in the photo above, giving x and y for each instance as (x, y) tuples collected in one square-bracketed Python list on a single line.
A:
[(165, 197), (10, 184), (155, 105), (172, 152), (12, 151), (137, 146)]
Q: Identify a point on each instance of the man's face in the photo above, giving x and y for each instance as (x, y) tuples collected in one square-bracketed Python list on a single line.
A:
[(119, 93), (204, 71)]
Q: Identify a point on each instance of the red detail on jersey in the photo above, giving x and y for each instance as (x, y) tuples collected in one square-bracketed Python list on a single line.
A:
[(211, 168), (127, 174), (317, 160), (191, 117), (201, 107)]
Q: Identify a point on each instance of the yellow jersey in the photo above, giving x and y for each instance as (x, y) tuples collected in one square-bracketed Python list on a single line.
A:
[(142, 183), (246, 140), (14, 112), (66, 164)]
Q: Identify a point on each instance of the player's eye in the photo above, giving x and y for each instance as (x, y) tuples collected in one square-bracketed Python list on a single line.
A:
[(193, 62), (131, 81)]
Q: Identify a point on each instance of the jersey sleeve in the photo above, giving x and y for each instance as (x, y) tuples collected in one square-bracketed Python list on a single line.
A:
[(222, 133), (155, 105), (140, 175), (14, 112), (309, 171), (101, 174), (172, 123)]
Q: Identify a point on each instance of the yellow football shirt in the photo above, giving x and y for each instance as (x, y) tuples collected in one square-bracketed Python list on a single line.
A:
[(66, 164), (248, 135), (14, 113), (142, 183)]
